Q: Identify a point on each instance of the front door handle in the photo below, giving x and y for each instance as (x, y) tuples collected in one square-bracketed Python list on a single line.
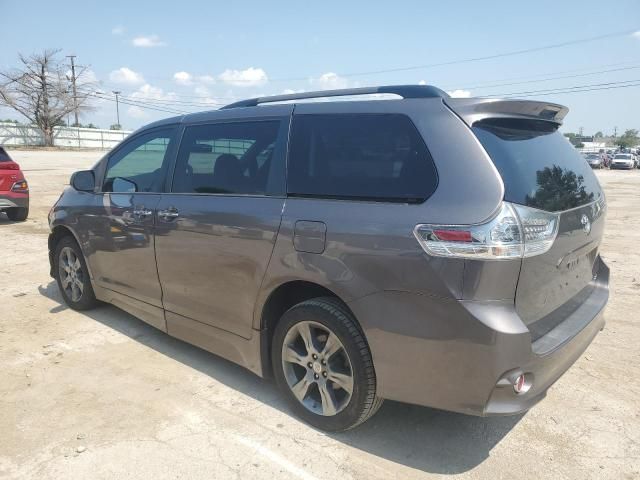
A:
[(169, 214), (140, 213)]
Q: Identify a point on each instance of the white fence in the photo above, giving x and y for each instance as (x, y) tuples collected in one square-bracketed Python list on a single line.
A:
[(26, 135)]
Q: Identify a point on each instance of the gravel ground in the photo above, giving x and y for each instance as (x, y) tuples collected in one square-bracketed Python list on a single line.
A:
[(103, 395)]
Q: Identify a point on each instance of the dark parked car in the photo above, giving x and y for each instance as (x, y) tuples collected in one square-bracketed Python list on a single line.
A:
[(14, 189), (430, 250)]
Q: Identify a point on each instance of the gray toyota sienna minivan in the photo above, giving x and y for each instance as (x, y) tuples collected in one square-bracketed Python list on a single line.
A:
[(425, 249)]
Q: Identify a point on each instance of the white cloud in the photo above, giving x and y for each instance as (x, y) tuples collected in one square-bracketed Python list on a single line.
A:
[(137, 112), (206, 79), (117, 30), (251, 77), (183, 78), (329, 81), (126, 76), (422, 82), (204, 96), (147, 94), (147, 41), (460, 93), (84, 77)]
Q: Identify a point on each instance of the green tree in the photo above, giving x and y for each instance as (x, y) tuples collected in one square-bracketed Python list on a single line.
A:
[(628, 139), (558, 189), (599, 134), (573, 138), (115, 126)]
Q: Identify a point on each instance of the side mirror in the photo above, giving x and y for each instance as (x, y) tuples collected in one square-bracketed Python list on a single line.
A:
[(83, 181)]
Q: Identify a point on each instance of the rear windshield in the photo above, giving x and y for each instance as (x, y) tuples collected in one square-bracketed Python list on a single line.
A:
[(539, 167), (4, 156)]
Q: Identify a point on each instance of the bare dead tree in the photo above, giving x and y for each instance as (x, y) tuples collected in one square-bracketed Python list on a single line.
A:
[(40, 91)]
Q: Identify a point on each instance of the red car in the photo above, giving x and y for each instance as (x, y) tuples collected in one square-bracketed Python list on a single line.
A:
[(14, 190)]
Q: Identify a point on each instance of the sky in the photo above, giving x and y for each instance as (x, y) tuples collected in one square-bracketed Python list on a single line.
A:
[(197, 55)]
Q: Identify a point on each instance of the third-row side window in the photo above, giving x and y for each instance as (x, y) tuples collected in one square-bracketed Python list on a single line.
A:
[(366, 156)]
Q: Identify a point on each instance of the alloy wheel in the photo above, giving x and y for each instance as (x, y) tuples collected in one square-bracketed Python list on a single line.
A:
[(71, 274), (317, 368)]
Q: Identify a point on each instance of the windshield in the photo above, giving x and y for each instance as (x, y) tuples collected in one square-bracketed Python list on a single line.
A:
[(624, 157), (539, 167)]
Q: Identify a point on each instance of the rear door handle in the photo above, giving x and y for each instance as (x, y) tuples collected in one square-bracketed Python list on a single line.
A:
[(169, 214)]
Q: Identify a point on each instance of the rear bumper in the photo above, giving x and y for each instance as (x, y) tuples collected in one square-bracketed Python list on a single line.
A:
[(13, 200), (463, 355), (621, 167)]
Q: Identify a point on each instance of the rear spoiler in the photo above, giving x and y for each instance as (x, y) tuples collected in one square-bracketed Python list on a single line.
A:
[(473, 110)]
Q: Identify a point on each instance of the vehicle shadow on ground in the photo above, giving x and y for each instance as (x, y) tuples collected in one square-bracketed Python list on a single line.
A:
[(430, 440), (4, 220)]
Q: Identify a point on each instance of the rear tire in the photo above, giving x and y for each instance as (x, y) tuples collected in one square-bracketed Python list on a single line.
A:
[(72, 275), (327, 375), (18, 214)]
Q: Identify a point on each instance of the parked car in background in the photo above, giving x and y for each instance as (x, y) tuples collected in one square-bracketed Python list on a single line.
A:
[(427, 249), (624, 161), (595, 160), (14, 189)]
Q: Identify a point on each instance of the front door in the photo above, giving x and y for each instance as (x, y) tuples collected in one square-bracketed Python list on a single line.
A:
[(217, 228), (122, 239)]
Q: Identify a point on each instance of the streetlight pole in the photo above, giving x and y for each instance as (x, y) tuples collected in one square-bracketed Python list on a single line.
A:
[(116, 93)]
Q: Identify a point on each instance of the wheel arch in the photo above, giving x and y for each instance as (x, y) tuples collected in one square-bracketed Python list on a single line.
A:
[(58, 232), (281, 299)]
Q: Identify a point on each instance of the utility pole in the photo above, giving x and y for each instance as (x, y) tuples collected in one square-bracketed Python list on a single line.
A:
[(116, 93), (73, 83), (615, 132)]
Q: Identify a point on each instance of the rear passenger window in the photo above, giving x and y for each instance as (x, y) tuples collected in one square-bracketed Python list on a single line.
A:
[(368, 156), (226, 158)]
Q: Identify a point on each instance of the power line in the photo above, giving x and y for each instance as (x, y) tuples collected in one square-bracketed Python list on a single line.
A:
[(538, 75), (169, 101), (483, 86), (137, 104), (476, 59), (576, 88)]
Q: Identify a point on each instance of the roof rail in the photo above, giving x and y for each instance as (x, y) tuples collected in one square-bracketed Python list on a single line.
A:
[(405, 91)]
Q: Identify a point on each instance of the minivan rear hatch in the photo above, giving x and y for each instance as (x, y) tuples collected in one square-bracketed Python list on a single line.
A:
[(541, 169)]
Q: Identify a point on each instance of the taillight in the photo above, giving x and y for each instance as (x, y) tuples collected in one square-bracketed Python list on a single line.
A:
[(20, 187), (515, 232)]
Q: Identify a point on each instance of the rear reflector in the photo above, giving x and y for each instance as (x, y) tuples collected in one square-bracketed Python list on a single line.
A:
[(453, 235), (521, 384), (515, 231)]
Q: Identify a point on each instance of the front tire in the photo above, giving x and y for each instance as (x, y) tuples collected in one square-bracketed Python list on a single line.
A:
[(323, 366), (18, 214), (72, 275)]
